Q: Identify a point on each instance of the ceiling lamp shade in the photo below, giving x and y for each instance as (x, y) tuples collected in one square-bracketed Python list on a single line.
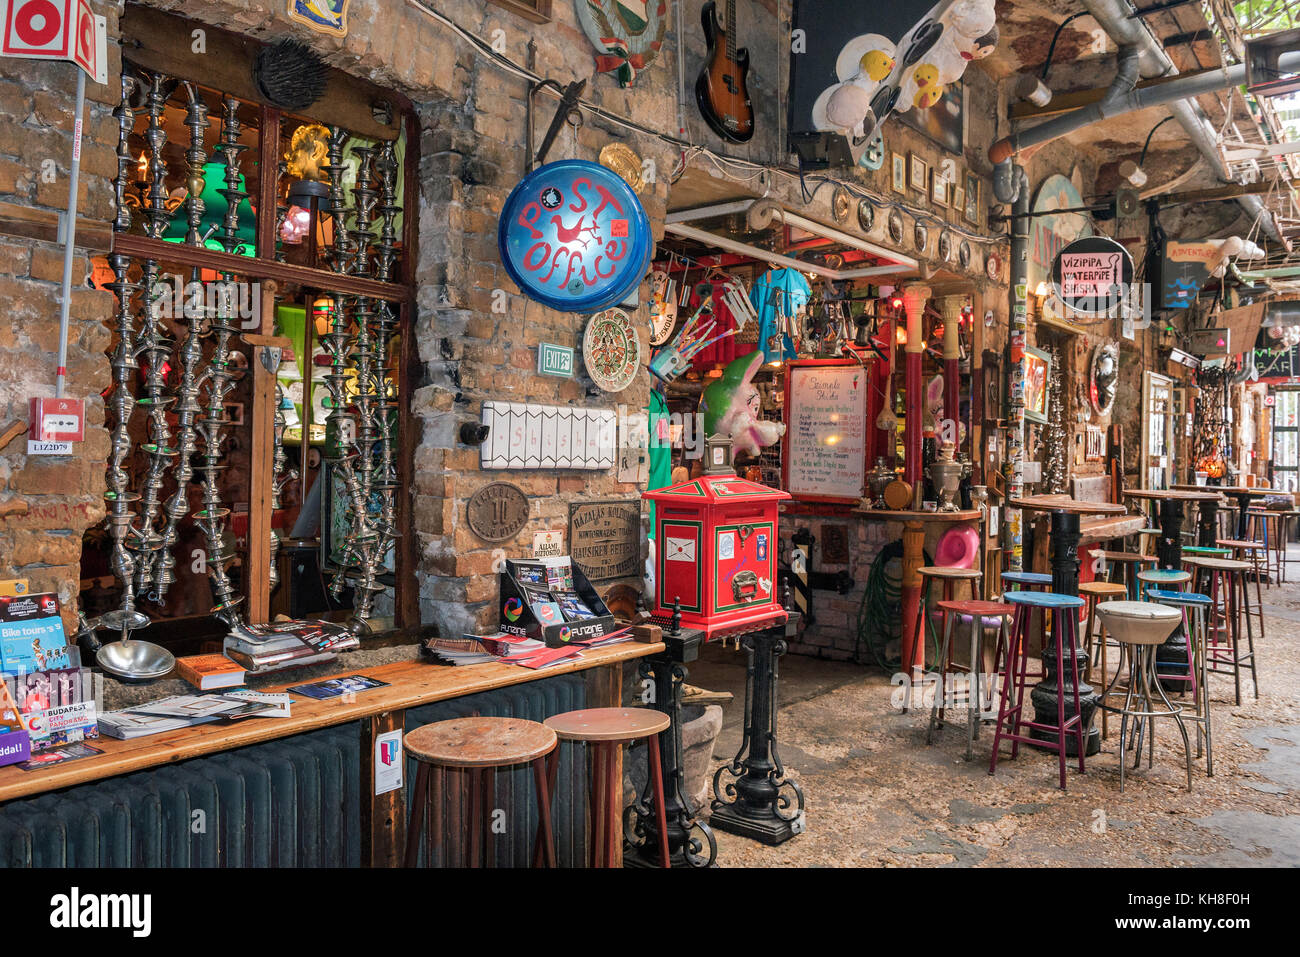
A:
[(214, 214)]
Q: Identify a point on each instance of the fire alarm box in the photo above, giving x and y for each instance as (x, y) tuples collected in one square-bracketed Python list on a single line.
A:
[(57, 420), (715, 553)]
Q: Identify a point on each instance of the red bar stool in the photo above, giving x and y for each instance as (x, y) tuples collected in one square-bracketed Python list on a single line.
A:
[(472, 749), (604, 731), (1243, 551), (979, 612), (1064, 610), (1093, 592), (950, 577)]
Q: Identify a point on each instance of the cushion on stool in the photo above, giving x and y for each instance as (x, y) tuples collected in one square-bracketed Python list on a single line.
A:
[(991, 609), (1042, 599), (1102, 588), (945, 571), (1027, 578), (1165, 596), (1139, 622)]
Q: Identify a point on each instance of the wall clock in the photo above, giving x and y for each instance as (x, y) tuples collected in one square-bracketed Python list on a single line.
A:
[(611, 350)]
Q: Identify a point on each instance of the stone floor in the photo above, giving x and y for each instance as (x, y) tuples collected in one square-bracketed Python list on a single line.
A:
[(876, 795)]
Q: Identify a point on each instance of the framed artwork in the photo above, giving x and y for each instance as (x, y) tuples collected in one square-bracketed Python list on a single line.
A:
[(959, 198), (1038, 370), (898, 167), (938, 188), (918, 173), (539, 11), (971, 206)]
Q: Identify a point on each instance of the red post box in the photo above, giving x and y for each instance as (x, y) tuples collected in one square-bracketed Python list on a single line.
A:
[(715, 550)]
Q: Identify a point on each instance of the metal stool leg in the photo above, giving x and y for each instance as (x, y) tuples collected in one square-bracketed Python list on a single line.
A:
[(936, 708)]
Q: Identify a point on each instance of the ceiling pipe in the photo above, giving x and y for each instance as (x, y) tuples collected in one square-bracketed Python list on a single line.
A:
[(1116, 18), (776, 259)]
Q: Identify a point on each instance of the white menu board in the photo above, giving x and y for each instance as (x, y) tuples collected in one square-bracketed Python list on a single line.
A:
[(825, 443)]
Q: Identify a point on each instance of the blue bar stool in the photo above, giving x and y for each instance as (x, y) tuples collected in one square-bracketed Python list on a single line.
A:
[(1027, 579), (1064, 610), (1193, 606), (1165, 578)]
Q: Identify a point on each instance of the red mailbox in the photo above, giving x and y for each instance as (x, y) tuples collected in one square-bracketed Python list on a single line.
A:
[(715, 551)]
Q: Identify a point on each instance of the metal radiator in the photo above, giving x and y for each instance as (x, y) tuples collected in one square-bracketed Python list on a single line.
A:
[(288, 803)]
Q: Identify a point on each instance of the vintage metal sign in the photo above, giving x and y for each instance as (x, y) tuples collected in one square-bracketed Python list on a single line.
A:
[(605, 539), (574, 236), (1092, 275), (497, 512)]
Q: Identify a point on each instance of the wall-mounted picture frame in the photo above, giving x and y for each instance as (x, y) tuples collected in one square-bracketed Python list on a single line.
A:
[(898, 170), (938, 188), (971, 206), (1038, 371), (959, 198), (918, 173), (539, 11)]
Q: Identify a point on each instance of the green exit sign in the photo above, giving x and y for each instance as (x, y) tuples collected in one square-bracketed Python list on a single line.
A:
[(554, 360)]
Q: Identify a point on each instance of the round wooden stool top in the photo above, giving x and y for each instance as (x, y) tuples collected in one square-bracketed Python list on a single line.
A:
[(1102, 589), (608, 724), (1219, 564), (480, 742), (953, 574), (982, 609), (1239, 544), (1125, 556)]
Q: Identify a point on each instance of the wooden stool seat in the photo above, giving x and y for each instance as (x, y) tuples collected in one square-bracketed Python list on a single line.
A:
[(481, 742), (1218, 564), (608, 724), (1238, 544), (1102, 589), (984, 609), (950, 574)]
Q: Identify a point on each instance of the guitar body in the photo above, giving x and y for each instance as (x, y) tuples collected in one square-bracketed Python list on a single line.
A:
[(721, 90)]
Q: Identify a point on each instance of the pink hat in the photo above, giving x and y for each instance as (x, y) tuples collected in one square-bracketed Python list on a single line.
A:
[(958, 547)]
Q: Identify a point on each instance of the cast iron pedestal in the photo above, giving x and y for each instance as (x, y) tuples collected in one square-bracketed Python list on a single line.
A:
[(1064, 540), (759, 802), (688, 838)]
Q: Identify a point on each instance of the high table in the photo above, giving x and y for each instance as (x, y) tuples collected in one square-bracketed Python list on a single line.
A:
[(1207, 532), (1172, 655), (914, 524), (1064, 544)]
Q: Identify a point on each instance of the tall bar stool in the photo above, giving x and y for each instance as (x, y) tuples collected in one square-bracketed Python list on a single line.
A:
[(1265, 526), (1027, 580), (1064, 610), (1129, 563), (1166, 578), (1207, 551), (1229, 605), (1093, 592), (1147, 539), (604, 731), (1140, 627), (1243, 551), (979, 613), (472, 749), (1194, 608), (949, 577)]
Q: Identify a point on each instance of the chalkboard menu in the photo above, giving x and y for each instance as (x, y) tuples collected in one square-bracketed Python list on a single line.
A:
[(824, 453)]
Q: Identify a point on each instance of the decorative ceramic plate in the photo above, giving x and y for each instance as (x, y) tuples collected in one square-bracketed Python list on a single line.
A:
[(611, 350)]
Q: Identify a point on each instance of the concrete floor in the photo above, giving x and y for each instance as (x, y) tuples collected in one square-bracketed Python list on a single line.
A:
[(876, 795)]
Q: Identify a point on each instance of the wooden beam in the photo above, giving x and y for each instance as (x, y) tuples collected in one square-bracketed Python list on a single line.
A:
[(42, 225), (383, 816), (261, 465)]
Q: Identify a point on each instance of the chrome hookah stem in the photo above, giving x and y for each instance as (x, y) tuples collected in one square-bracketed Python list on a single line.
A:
[(385, 323)]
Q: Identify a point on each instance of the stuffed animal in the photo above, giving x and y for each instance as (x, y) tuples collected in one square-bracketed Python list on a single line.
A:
[(732, 406)]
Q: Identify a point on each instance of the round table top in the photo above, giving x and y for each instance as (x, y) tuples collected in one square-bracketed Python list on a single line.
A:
[(608, 724), (1231, 489), (480, 742), (908, 515), (1198, 494), (1064, 503)]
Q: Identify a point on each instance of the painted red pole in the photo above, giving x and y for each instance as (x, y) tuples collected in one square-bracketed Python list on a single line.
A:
[(914, 299)]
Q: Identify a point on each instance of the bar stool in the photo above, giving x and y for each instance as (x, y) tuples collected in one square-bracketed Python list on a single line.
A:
[(1064, 612), (1027, 579), (1193, 606), (1229, 598), (473, 749), (924, 611), (1250, 552), (1147, 539), (604, 731), (1130, 562), (1262, 521), (1093, 592), (979, 613), (1161, 578), (1140, 627), (1207, 551)]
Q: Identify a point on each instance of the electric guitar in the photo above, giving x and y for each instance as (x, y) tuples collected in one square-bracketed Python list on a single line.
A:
[(720, 91)]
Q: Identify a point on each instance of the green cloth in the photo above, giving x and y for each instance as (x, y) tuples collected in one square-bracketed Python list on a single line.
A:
[(661, 451)]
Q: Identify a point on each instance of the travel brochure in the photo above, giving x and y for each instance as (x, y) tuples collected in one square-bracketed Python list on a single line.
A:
[(31, 634), (337, 687)]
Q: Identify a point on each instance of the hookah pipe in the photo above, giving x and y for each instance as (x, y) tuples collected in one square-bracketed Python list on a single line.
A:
[(385, 322)]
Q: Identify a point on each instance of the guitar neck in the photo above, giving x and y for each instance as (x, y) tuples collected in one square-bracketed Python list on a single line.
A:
[(731, 29)]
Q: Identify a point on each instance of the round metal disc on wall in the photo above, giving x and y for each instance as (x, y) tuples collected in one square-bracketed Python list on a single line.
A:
[(611, 350), (497, 512), (963, 254), (866, 215), (920, 236), (945, 246), (895, 227), (841, 205)]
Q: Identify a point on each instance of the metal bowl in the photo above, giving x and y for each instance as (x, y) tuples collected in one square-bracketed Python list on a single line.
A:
[(135, 660)]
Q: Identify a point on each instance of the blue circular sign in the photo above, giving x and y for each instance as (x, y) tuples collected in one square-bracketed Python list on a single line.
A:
[(574, 236)]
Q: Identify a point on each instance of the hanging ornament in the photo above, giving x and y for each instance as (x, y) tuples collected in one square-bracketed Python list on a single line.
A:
[(627, 34)]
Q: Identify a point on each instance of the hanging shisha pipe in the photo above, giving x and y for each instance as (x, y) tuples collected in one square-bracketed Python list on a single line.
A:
[(126, 658)]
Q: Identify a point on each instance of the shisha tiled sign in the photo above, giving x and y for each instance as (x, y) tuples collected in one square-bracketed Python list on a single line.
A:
[(574, 236), (1092, 275)]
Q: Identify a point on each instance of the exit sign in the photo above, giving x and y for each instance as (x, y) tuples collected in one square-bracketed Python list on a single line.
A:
[(554, 360)]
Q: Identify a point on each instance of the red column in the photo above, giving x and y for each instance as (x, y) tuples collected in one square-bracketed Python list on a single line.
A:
[(914, 299)]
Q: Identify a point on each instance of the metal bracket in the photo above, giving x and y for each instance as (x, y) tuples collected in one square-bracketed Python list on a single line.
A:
[(567, 111)]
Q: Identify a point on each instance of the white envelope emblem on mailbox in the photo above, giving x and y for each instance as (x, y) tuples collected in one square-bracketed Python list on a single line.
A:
[(681, 550)]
